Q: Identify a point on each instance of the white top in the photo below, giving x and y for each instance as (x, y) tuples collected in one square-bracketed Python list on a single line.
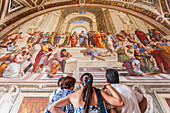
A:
[(130, 98)]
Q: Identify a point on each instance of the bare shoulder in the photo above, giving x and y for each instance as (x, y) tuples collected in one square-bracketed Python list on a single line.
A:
[(76, 94)]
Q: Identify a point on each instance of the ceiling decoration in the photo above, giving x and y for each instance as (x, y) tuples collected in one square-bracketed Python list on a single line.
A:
[(34, 3), (14, 5)]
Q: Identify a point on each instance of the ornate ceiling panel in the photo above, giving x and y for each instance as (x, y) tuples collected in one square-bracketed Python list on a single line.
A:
[(13, 6)]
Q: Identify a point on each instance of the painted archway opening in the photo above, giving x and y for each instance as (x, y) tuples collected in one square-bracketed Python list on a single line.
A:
[(79, 21), (79, 29)]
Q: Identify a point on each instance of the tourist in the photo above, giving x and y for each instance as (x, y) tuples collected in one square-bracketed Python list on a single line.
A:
[(134, 102), (67, 87), (59, 82), (85, 99)]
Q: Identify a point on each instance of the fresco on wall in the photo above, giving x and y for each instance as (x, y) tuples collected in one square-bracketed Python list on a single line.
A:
[(134, 48), (42, 50)]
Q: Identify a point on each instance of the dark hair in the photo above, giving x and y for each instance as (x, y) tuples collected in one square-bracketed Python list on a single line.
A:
[(67, 82), (59, 81), (129, 46), (63, 50), (45, 42), (87, 81), (112, 76)]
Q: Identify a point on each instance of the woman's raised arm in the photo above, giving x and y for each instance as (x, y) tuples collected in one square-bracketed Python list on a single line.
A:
[(55, 107), (113, 99)]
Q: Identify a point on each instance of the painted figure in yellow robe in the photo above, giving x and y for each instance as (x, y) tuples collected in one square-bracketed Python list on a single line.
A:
[(98, 40)]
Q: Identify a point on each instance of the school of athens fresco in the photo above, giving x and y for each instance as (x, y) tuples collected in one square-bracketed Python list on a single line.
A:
[(56, 29), (42, 41)]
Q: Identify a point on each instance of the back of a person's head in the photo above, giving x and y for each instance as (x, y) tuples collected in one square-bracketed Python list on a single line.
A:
[(67, 82), (87, 81), (59, 82), (112, 76), (63, 50)]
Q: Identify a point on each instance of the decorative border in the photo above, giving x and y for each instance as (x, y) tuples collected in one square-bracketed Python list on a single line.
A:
[(161, 95), (8, 12), (21, 95)]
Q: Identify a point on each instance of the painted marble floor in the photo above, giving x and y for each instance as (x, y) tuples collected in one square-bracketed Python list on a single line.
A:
[(97, 72)]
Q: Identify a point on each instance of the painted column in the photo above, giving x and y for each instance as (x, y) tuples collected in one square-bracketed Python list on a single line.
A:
[(116, 21)]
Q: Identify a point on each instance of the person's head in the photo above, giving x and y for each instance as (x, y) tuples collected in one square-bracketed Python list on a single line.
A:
[(24, 53), (108, 33), (68, 83), (145, 42), (45, 43), (153, 46), (137, 50), (59, 82), (129, 46), (139, 45), (20, 33), (11, 43), (112, 76), (86, 81), (91, 46), (82, 31), (63, 51)]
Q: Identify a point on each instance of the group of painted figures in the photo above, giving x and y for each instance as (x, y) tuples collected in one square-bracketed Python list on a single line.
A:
[(148, 53)]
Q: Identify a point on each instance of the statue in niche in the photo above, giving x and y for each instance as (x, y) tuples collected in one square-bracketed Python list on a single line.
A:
[(6, 100), (124, 18), (150, 103)]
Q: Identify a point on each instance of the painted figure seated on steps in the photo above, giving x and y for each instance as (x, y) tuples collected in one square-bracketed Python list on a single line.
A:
[(58, 61)]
